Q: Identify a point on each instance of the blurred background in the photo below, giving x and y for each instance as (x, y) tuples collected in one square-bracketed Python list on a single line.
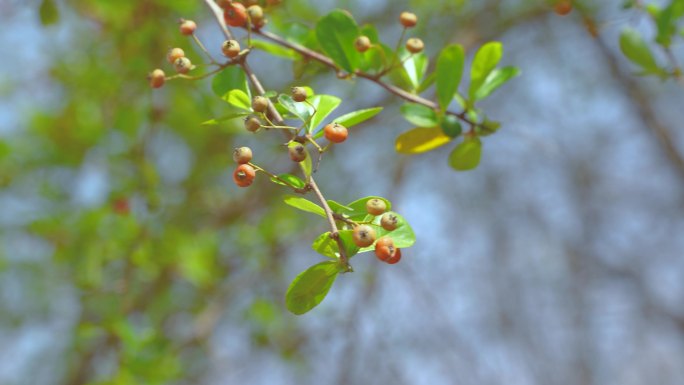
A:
[(128, 256)]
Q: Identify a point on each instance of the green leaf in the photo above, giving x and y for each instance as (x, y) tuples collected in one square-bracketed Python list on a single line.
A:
[(488, 127), (486, 59), (419, 115), (301, 110), (324, 104), (291, 179), (353, 118), (49, 13), (466, 156), (450, 125), (338, 207), (304, 205), (224, 118), (636, 50), (495, 80), (449, 71), (275, 49), (666, 20), (231, 78), (421, 139), (311, 286), (239, 99), (427, 82), (336, 33), (347, 238), (325, 245), (415, 67), (307, 164)]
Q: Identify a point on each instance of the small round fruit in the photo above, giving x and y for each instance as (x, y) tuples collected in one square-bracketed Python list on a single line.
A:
[(363, 235), (451, 126), (230, 48), (242, 155), (187, 27), (414, 45), (259, 104), (376, 206), (396, 257), (235, 15), (384, 248), (297, 152), (256, 15), (252, 123), (182, 65), (243, 175), (157, 78), (298, 94), (362, 43), (335, 132), (174, 54), (408, 19), (389, 221), (563, 7)]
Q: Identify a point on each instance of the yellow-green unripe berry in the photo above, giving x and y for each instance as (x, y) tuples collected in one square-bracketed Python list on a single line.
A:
[(230, 48), (174, 54), (157, 78), (362, 43), (299, 94), (376, 206), (297, 152), (252, 123), (259, 104), (389, 221), (414, 45), (363, 235), (182, 65), (242, 155), (408, 19)]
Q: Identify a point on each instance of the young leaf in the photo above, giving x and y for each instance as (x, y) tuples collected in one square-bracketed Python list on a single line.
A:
[(353, 118), (325, 245), (289, 178), (301, 110), (49, 14), (466, 156), (419, 140), (338, 207), (275, 49), (419, 115), (636, 50), (239, 99), (311, 286), (449, 71), (495, 80), (230, 78), (415, 68), (486, 59), (304, 205), (336, 33), (325, 104)]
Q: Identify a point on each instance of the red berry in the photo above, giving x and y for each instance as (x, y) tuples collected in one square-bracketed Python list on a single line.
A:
[(363, 235), (376, 206), (335, 132), (174, 54), (563, 7), (414, 45), (121, 206), (384, 248), (408, 19), (242, 155), (243, 175), (235, 15), (187, 27), (157, 78), (394, 258)]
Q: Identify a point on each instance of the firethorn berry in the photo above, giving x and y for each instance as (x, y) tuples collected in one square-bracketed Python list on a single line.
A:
[(259, 104), (298, 94), (182, 65), (335, 132), (363, 235), (376, 206), (235, 15), (243, 175), (174, 54), (414, 45), (157, 78), (297, 152), (256, 15), (389, 221), (230, 48), (362, 43), (242, 155), (563, 7), (187, 27), (408, 19), (223, 3), (394, 258), (384, 248), (252, 123)]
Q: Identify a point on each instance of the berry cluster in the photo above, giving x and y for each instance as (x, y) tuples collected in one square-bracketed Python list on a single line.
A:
[(407, 20), (364, 235)]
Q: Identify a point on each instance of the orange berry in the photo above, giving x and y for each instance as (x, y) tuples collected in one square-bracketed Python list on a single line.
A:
[(363, 235), (174, 54), (157, 78), (376, 206), (414, 45), (389, 221), (187, 27), (384, 248), (394, 258), (563, 7), (235, 15), (243, 175), (408, 19), (230, 48), (335, 132), (182, 65)]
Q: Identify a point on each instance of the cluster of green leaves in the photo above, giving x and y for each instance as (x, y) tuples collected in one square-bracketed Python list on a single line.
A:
[(668, 28), (311, 286), (437, 127)]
